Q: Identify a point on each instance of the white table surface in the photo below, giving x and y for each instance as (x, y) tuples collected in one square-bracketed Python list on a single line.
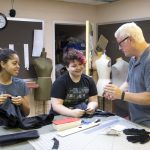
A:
[(90, 139)]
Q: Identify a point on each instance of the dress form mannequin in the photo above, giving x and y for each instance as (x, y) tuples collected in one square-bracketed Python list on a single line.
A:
[(103, 66), (119, 75), (119, 71), (43, 68), (95, 57)]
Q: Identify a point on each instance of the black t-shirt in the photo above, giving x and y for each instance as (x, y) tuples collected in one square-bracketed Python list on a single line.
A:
[(73, 93)]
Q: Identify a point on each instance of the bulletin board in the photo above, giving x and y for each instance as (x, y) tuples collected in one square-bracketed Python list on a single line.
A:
[(108, 30), (20, 32)]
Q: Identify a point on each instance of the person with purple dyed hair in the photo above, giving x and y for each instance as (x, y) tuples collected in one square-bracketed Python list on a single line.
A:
[(74, 93)]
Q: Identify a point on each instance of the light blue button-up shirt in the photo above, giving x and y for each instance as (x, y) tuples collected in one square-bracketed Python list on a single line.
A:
[(139, 81)]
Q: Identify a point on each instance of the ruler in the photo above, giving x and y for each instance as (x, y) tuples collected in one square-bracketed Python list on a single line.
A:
[(77, 129)]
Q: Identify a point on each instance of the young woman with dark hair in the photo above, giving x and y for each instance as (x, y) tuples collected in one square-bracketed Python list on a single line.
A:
[(10, 86)]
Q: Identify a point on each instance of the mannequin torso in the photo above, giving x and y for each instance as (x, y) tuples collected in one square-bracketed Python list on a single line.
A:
[(94, 69), (43, 68), (103, 65), (119, 75), (119, 71)]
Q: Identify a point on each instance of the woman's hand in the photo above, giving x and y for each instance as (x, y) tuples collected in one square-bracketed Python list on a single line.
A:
[(17, 100), (92, 106), (90, 110), (3, 98), (77, 113)]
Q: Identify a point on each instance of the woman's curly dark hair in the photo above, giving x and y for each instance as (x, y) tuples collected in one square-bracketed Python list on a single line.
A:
[(5, 55)]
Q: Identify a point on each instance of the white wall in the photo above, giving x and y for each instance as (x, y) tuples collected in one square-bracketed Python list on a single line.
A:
[(51, 11), (123, 10)]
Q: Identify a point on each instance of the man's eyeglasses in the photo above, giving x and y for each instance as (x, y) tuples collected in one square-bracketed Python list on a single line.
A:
[(123, 40)]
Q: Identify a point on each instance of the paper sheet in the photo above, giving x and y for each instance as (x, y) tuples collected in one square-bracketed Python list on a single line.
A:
[(11, 46), (26, 56), (37, 43), (102, 43)]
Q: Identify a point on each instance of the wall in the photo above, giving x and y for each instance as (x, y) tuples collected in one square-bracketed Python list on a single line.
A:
[(122, 10), (49, 11)]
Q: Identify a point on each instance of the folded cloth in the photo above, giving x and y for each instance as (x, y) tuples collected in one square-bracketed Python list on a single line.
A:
[(18, 137), (99, 113), (133, 131), (33, 122), (137, 135), (138, 138)]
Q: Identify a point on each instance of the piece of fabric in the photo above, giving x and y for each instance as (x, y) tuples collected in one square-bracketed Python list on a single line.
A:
[(8, 113), (56, 144), (18, 137), (97, 113), (12, 117), (138, 138), (134, 131), (137, 135), (43, 92)]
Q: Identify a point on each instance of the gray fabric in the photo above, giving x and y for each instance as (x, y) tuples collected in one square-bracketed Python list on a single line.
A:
[(43, 92), (119, 76), (119, 72), (139, 81)]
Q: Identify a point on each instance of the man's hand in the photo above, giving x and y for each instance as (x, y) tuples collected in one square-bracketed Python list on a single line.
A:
[(112, 92)]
